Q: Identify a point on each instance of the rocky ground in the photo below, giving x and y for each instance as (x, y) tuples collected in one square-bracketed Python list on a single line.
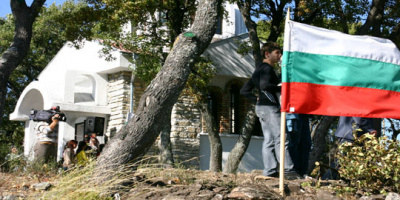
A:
[(175, 184)]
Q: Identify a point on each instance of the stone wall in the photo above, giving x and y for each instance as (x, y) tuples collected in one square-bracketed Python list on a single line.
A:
[(185, 119), (186, 152), (118, 99), (185, 129)]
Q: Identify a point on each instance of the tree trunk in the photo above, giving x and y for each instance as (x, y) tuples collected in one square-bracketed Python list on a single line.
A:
[(251, 26), (319, 140), (158, 99), (395, 35), (166, 156), (240, 148), (276, 8), (13, 56), (213, 137), (374, 19), (395, 132)]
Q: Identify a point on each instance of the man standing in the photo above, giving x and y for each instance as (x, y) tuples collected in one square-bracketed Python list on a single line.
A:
[(348, 126), (45, 148), (266, 81)]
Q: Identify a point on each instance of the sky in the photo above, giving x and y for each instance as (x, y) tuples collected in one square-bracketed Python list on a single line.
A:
[(5, 8)]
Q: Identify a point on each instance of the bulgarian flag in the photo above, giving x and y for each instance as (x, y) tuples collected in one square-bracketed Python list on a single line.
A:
[(327, 72)]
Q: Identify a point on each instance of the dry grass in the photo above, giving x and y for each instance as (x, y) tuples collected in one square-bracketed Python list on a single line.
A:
[(82, 183)]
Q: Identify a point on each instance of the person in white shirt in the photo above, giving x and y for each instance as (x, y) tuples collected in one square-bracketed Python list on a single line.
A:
[(45, 148)]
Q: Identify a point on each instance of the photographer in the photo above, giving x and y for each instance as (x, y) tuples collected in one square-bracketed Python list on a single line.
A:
[(45, 148)]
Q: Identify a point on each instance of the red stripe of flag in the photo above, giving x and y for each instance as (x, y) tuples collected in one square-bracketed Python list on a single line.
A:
[(340, 100)]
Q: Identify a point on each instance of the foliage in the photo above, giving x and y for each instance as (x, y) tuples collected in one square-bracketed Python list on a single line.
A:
[(263, 30), (38, 169), (20, 164), (198, 80), (7, 141), (10, 162), (153, 25), (147, 63), (371, 164), (244, 47), (158, 22)]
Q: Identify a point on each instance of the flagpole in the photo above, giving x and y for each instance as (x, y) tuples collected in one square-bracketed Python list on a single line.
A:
[(283, 139), (282, 154)]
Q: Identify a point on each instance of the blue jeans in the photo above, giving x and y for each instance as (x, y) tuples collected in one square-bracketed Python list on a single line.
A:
[(270, 119)]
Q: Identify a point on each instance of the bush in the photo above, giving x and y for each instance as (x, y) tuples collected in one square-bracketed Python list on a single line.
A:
[(371, 164), (11, 161)]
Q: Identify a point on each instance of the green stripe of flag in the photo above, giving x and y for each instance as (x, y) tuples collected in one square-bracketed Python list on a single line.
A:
[(340, 71)]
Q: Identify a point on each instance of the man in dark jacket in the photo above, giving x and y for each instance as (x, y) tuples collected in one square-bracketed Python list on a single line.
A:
[(266, 81), (347, 125)]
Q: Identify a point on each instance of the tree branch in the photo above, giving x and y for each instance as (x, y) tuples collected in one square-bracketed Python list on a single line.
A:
[(374, 18), (395, 35)]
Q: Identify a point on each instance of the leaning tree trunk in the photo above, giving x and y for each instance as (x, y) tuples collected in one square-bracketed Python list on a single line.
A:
[(166, 156), (13, 56), (373, 23), (158, 99), (240, 148), (213, 137), (319, 140), (245, 10)]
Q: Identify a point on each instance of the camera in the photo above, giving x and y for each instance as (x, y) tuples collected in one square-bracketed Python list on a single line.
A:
[(46, 115)]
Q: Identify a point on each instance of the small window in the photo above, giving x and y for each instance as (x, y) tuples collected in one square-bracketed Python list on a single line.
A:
[(84, 89)]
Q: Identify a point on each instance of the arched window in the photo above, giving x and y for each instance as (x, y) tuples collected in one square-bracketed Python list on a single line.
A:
[(84, 89)]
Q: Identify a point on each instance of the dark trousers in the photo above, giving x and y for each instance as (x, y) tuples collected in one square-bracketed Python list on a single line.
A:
[(45, 152), (300, 142)]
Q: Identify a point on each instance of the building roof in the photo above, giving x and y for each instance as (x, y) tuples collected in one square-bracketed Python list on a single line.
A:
[(227, 60), (229, 63)]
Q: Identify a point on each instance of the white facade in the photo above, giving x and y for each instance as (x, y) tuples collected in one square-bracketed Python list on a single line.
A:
[(234, 24)]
